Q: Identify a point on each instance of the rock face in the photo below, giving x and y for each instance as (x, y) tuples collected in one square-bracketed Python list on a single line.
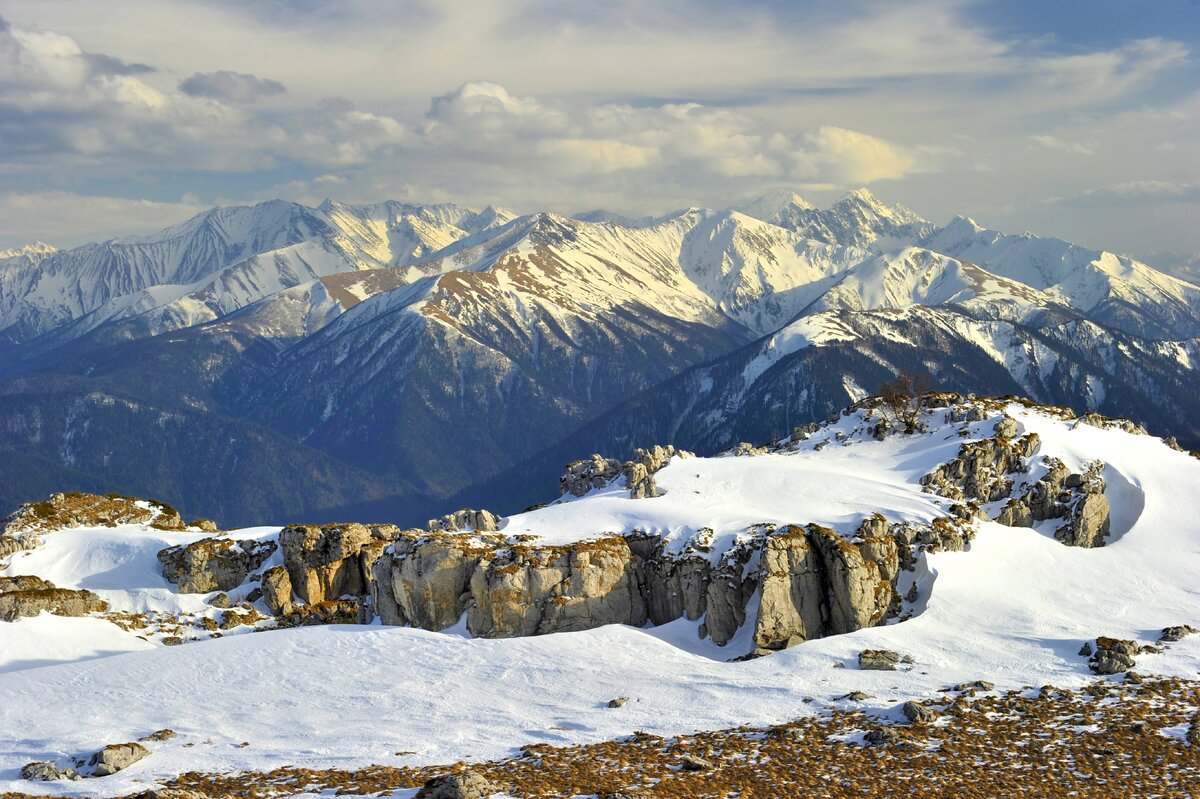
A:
[(816, 583), (213, 564), (29, 596), (1113, 656), (979, 471)]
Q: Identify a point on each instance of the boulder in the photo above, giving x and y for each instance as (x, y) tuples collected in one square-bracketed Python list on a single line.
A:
[(116, 757), (464, 785), (337, 611), (918, 713), (1006, 427), (878, 660), (322, 561), (695, 763), (618, 702), (213, 564), (1113, 656)]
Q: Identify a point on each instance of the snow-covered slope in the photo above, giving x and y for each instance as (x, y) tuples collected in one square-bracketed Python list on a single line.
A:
[(1013, 609)]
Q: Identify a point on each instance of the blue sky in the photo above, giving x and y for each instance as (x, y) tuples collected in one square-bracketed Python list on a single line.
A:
[(1074, 119)]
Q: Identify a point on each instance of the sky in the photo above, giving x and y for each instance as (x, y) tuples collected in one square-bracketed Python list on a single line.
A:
[(1074, 119)]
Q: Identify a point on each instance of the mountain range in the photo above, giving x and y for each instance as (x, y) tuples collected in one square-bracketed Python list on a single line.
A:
[(385, 360)]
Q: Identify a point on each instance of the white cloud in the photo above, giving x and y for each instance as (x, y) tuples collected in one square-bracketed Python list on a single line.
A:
[(67, 219), (1055, 143)]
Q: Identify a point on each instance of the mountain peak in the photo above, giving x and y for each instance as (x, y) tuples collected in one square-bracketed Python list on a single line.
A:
[(35, 248), (772, 204)]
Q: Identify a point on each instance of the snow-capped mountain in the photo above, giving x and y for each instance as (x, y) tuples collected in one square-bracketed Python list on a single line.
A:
[(388, 336)]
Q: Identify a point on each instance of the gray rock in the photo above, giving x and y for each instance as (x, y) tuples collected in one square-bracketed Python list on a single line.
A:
[(116, 757), (878, 660), (1086, 649), (918, 713), (618, 702), (694, 763), (1176, 633), (1113, 656), (46, 771), (858, 696), (1193, 733), (881, 736), (464, 785), (219, 600)]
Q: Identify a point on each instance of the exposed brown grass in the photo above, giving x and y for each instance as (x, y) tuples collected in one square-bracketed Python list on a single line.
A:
[(1102, 742)]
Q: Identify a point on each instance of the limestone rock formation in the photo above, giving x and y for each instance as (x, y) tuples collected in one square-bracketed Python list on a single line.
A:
[(583, 476), (979, 470), (213, 564), (29, 596), (483, 521), (1078, 498)]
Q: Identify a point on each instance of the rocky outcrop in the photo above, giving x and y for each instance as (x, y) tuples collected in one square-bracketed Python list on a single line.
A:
[(1112, 655), (213, 564), (109, 760), (1108, 423), (638, 472), (72, 509), (1078, 498), (482, 521), (816, 583), (28, 596), (981, 468), (48, 770)]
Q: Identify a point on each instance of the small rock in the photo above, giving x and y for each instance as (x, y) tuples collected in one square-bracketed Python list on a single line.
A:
[(878, 660), (918, 713), (1193, 733), (465, 785), (1177, 632), (219, 600), (116, 757), (1086, 649), (1112, 656), (1006, 427), (883, 735), (159, 735), (693, 763), (46, 770), (858, 696), (618, 702), (172, 640)]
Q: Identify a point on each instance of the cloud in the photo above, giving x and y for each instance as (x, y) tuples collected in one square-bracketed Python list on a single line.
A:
[(847, 157), (1055, 143), (233, 87), (69, 219)]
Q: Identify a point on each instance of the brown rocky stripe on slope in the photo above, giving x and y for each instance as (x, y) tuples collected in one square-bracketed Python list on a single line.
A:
[(1111, 740)]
